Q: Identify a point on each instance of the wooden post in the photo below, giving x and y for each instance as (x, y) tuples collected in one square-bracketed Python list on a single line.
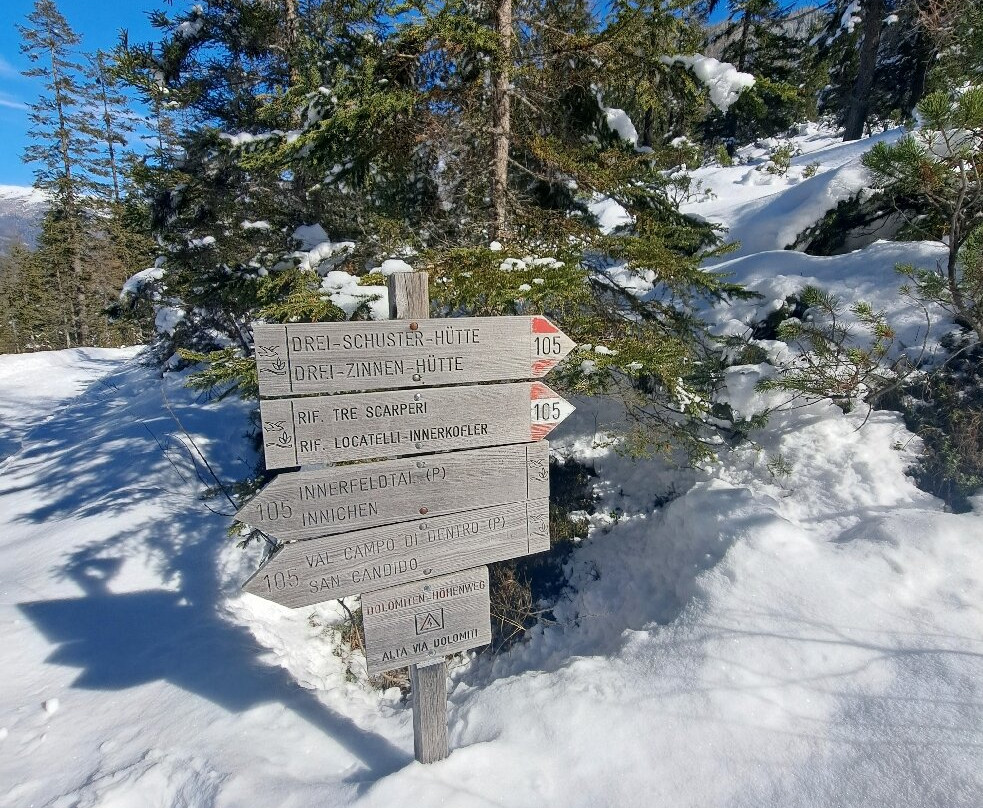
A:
[(409, 296), (429, 684), (409, 299)]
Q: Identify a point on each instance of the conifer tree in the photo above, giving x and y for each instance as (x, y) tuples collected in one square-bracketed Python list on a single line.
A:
[(89, 240), (61, 141), (770, 42), (115, 124), (29, 314), (879, 54), (941, 165), (431, 133)]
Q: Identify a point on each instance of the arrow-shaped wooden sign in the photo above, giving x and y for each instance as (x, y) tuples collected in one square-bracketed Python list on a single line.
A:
[(363, 426), (307, 572), (310, 504), (387, 354)]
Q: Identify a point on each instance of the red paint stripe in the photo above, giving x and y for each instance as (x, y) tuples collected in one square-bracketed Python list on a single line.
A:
[(541, 366), (538, 391), (540, 325), (540, 431)]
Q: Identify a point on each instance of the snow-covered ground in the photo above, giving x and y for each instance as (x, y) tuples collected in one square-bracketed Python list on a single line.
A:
[(796, 626)]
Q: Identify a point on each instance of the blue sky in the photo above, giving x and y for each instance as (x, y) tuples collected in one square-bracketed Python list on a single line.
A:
[(97, 21)]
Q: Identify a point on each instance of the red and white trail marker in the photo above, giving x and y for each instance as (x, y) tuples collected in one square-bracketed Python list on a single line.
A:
[(388, 354), (395, 423)]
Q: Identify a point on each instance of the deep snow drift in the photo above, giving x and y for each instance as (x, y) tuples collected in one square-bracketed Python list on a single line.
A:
[(806, 632)]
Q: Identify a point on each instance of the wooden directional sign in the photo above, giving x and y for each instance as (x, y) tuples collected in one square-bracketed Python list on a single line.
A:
[(320, 429), (387, 354), (424, 620), (310, 504), (307, 572)]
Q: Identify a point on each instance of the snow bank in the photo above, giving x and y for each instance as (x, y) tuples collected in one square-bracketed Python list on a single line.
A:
[(869, 274), (797, 626), (393, 265), (768, 212)]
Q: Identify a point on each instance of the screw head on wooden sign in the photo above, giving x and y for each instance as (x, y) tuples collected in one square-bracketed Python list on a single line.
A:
[(388, 354), (425, 620), (307, 572), (364, 426), (308, 504)]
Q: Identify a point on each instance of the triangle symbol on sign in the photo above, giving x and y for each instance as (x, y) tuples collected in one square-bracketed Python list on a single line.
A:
[(429, 622)]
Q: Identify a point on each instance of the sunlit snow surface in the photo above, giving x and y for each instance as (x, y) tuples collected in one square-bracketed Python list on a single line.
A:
[(729, 637)]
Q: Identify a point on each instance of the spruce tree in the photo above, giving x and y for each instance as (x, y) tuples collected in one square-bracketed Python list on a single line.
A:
[(29, 312), (879, 54), (115, 124), (940, 167), (432, 134), (770, 42), (61, 142)]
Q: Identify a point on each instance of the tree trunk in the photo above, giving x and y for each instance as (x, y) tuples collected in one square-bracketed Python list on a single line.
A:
[(293, 39), (856, 115), (78, 277), (646, 141), (745, 37), (107, 120), (501, 120), (924, 55)]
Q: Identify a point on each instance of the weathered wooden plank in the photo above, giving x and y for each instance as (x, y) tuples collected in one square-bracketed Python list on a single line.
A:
[(428, 683), (424, 620), (307, 572), (409, 297), (363, 426), (389, 354), (309, 504)]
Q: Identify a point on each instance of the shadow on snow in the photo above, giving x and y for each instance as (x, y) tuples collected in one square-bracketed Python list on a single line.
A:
[(98, 461)]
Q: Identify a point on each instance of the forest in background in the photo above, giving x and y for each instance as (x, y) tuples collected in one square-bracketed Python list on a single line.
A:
[(297, 152)]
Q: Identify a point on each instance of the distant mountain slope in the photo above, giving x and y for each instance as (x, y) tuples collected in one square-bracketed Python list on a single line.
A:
[(21, 209)]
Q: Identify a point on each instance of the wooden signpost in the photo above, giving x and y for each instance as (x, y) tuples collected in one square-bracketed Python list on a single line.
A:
[(307, 572), (307, 504), (319, 429), (387, 354), (409, 534)]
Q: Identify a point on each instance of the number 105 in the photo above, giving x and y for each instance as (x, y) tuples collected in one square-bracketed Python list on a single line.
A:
[(546, 411), (548, 346)]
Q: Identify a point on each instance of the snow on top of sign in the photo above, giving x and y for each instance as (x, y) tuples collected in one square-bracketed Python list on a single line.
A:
[(393, 265)]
